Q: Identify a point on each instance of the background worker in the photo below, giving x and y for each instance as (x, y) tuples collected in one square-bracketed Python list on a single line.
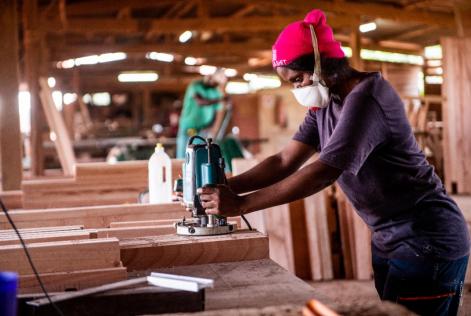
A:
[(203, 110), (420, 240)]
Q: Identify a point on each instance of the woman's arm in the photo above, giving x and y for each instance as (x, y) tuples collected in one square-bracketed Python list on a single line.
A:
[(273, 169), (306, 181)]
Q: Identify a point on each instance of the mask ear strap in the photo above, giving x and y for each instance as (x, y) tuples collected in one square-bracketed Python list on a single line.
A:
[(317, 57)]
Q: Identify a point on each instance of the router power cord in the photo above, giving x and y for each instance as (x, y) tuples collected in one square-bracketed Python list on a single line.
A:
[(41, 284), (246, 222)]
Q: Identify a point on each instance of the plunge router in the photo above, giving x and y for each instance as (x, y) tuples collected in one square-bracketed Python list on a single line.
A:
[(203, 167)]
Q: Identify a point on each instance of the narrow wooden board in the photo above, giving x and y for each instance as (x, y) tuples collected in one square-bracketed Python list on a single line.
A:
[(456, 112), (236, 220), (76, 280), (173, 250), (12, 199), (62, 256), (4, 232), (134, 232), (318, 236), (45, 237), (94, 216), (56, 124)]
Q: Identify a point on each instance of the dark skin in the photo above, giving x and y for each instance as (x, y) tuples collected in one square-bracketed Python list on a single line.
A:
[(278, 178)]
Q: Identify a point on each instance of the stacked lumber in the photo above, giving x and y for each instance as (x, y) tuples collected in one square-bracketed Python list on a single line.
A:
[(63, 265), (456, 112), (93, 184), (299, 238), (76, 248)]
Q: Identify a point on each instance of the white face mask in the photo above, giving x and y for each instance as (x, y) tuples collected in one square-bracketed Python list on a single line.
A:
[(316, 94)]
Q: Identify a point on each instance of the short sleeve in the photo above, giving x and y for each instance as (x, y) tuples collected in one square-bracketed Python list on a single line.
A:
[(308, 132), (360, 130)]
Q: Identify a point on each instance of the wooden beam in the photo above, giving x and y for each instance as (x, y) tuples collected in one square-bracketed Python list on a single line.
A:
[(198, 49), (241, 24), (172, 250), (74, 255), (213, 50), (235, 220), (246, 9), (45, 237), (136, 231), (12, 199), (10, 137), (110, 6), (413, 33), (57, 126), (355, 44), (93, 216), (377, 11), (32, 39)]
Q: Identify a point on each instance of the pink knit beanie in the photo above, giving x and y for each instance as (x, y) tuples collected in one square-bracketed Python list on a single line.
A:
[(295, 40)]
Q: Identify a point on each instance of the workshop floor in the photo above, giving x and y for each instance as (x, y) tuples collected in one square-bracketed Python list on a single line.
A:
[(364, 291)]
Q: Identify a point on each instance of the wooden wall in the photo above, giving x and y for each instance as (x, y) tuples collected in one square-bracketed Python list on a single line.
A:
[(457, 113)]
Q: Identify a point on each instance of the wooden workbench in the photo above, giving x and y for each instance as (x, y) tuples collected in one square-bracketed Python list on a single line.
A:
[(246, 284)]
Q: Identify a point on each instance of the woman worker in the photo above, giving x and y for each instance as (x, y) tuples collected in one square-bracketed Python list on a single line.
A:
[(420, 241)]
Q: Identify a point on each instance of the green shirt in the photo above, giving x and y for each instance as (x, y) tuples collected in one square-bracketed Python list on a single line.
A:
[(199, 116)]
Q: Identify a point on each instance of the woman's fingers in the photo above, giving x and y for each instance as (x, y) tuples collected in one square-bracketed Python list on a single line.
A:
[(212, 211), (210, 204)]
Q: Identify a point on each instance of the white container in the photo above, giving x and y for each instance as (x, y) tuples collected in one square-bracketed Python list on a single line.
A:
[(160, 176)]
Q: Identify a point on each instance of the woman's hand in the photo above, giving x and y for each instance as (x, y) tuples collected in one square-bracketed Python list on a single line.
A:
[(220, 200)]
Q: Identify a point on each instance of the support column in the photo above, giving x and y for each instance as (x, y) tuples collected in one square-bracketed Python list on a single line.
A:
[(355, 43), (10, 136), (147, 107), (32, 59)]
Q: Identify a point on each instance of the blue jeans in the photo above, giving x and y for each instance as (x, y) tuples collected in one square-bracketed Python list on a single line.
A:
[(424, 286)]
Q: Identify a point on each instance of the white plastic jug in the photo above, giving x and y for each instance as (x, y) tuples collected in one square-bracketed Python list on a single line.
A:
[(160, 176)]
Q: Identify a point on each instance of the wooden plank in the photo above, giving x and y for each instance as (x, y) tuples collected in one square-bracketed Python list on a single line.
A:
[(10, 137), (356, 241), (74, 280), (173, 250), (57, 126), (62, 256), (345, 228), (88, 172), (319, 238), (32, 57), (94, 216), (45, 237), (4, 232), (12, 199), (94, 184), (138, 231), (455, 109), (235, 220)]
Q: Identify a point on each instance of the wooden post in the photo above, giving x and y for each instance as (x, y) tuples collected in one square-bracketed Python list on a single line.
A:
[(10, 137), (31, 62), (146, 106), (355, 43)]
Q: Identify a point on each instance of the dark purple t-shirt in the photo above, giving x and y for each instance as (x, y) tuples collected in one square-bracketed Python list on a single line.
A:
[(385, 174)]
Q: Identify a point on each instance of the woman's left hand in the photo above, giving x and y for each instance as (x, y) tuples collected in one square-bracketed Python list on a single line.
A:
[(220, 200)]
